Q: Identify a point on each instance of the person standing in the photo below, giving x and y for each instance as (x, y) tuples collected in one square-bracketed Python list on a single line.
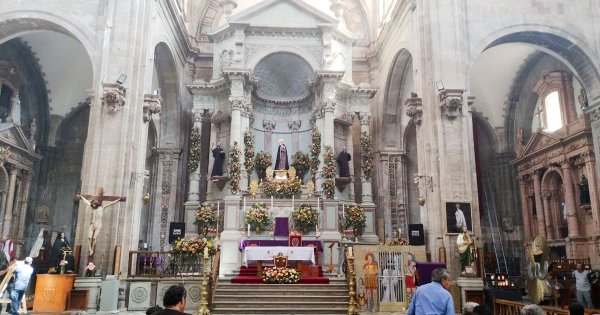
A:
[(433, 298), (173, 301), (582, 285), (22, 275)]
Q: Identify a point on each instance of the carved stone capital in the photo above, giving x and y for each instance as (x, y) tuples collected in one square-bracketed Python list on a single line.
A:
[(151, 106), (197, 116), (4, 154), (345, 119), (269, 125), (219, 117), (365, 118), (328, 105), (451, 102), (414, 109), (237, 104), (247, 109), (594, 116), (294, 125), (565, 163), (318, 111), (113, 97)]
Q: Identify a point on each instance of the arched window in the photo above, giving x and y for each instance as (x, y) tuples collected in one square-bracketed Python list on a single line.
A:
[(556, 107), (553, 112)]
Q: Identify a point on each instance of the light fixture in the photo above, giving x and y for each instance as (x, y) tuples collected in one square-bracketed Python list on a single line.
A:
[(121, 79), (439, 85)]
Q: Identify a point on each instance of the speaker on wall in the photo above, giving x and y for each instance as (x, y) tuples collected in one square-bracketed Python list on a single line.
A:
[(416, 236), (176, 230)]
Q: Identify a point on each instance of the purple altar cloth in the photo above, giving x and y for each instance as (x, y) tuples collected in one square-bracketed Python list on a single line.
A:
[(244, 243), (282, 226), (424, 270)]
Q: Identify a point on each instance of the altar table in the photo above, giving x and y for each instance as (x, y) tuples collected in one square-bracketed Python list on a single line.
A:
[(267, 253), (244, 243)]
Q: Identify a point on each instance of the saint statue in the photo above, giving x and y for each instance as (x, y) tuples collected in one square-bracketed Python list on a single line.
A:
[(61, 250), (466, 252), (342, 160), (281, 163), (219, 156), (584, 191)]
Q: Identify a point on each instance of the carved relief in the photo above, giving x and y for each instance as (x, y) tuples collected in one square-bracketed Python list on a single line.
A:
[(365, 118), (166, 158), (5, 154), (414, 109), (139, 295), (113, 97), (247, 109), (345, 118), (219, 117), (197, 116), (328, 105), (269, 125), (451, 103), (294, 125), (236, 104), (225, 58), (151, 106)]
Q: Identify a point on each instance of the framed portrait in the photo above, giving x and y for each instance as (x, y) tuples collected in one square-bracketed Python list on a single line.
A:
[(458, 215)]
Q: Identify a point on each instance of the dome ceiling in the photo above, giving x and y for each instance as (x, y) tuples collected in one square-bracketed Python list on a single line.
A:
[(283, 77)]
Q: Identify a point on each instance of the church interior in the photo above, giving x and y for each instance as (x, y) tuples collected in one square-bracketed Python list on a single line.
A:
[(355, 144)]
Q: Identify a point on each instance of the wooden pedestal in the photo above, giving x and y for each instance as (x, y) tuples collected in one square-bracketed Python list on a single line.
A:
[(51, 293)]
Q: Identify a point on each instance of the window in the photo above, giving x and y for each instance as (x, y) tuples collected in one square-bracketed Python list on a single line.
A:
[(553, 114)]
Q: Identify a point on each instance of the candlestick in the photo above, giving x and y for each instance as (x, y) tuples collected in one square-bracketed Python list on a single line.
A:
[(271, 203), (206, 251), (293, 202), (218, 217), (350, 251), (248, 230), (343, 211)]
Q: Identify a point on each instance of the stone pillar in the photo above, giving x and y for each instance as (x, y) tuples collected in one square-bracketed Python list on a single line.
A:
[(537, 187), (167, 177), (294, 126), (546, 195), (570, 199), (590, 174), (527, 229), (24, 198), (194, 175), (365, 122), (8, 215), (269, 125)]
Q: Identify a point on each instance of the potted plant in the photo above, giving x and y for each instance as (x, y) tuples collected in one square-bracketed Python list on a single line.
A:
[(305, 217), (258, 216), (355, 219), (205, 218)]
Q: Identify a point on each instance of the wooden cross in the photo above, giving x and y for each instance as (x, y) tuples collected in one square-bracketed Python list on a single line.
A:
[(96, 200)]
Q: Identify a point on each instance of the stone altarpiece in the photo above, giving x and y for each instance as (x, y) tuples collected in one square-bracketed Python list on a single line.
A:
[(281, 82)]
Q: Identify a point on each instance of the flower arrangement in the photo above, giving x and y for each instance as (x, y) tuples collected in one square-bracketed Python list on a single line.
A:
[(193, 246), (402, 241), (284, 189), (328, 172), (205, 216), (280, 275), (315, 151), (366, 161), (194, 152), (261, 162), (301, 162), (89, 269), (234, 168), (249, 151), (305, 216), (258, 215), (355, 217)]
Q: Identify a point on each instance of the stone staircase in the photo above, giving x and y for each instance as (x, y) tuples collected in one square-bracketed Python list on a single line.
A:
[(329, 298)]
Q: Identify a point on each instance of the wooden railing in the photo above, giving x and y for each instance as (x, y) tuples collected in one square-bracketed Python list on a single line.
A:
[(214, 278), (505, 307)]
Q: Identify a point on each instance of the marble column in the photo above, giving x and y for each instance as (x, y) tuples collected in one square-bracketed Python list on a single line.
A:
[(194, 175), (269, 125), (537, 187), (546, 195), (527, 229), (367, 194), (570, 199), (8, 215), (294, 126)]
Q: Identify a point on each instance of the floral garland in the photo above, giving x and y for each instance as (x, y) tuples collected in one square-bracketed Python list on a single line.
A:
[(234, 168), (194, 153), (366, 161), (285, 189), (249, 151), (258, 215), (193, 246), (315, 151), (355, 217), (328, 172), (262, 160), (305, 216), (280, 275), (301, 162), (205, 216)]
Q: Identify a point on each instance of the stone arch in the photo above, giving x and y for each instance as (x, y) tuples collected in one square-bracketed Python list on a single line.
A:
[(260, 55), (396, 90), (357, 20), (488, 130), (548, 178), (171, 121), (562, 45)]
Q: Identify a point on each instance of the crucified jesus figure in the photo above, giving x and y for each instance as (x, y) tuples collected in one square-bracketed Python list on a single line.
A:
[(95, 202)]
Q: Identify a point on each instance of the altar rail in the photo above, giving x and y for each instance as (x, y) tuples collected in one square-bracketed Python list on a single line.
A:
[(158, 264), (505, 307)]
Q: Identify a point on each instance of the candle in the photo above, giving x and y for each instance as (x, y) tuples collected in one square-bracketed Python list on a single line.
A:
[(248, 230), (293, 202), (271, 203), (343, 211), (218, 217), (205, 251), (319, 203), (244, 203), (350, 251)]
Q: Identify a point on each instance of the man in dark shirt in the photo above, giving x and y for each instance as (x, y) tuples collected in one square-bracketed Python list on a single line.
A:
[(173, 301)]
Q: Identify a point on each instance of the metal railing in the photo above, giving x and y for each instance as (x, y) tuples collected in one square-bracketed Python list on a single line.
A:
[(157, 264), (505, 307)]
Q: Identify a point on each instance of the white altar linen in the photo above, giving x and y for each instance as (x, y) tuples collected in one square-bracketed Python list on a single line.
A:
[(267, 253)]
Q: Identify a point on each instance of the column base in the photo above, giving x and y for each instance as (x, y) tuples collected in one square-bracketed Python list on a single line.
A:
[(91, 284), (231, 257)]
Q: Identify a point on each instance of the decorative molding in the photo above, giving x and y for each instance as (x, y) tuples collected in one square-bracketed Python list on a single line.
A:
[(269, 125), (219, 117), (365, 118), (345, 119), (151, 106), (294, 125), (451, 102), (247, 109), (236, 103), (328, 105), (166, 157), (414, 109), (113, 97)]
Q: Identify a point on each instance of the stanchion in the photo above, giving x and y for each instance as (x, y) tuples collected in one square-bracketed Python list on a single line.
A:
[(352, 309), (203, 303)]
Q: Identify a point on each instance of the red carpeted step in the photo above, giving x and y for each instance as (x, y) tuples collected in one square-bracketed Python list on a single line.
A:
[(248, 275)]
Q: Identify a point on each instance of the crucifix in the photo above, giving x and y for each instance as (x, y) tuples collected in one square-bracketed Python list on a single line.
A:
[(95, 202), (539, 112)]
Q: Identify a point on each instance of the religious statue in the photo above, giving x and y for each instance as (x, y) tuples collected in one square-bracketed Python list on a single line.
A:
[(97, 212), (219, 156), (461, 221), (466, 252), (342, 160), (370, 271), (584, 191), (281, 163), (61, 251)]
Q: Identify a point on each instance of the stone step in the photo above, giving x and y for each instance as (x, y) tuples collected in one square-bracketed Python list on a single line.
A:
[(266, 310), (274, 292), (268, 302), (304, 297)]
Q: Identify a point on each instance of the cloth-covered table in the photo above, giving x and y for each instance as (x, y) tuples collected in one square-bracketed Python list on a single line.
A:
[(244, 243), (267, 253), (424, 270)]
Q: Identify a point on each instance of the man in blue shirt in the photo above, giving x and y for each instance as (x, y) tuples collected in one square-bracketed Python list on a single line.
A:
[(22, 275), (433, 298)]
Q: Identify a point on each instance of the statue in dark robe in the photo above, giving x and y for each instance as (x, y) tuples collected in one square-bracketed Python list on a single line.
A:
[(219, 156), (584, 191), (61, 250), (343, 165), (281, 163)]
